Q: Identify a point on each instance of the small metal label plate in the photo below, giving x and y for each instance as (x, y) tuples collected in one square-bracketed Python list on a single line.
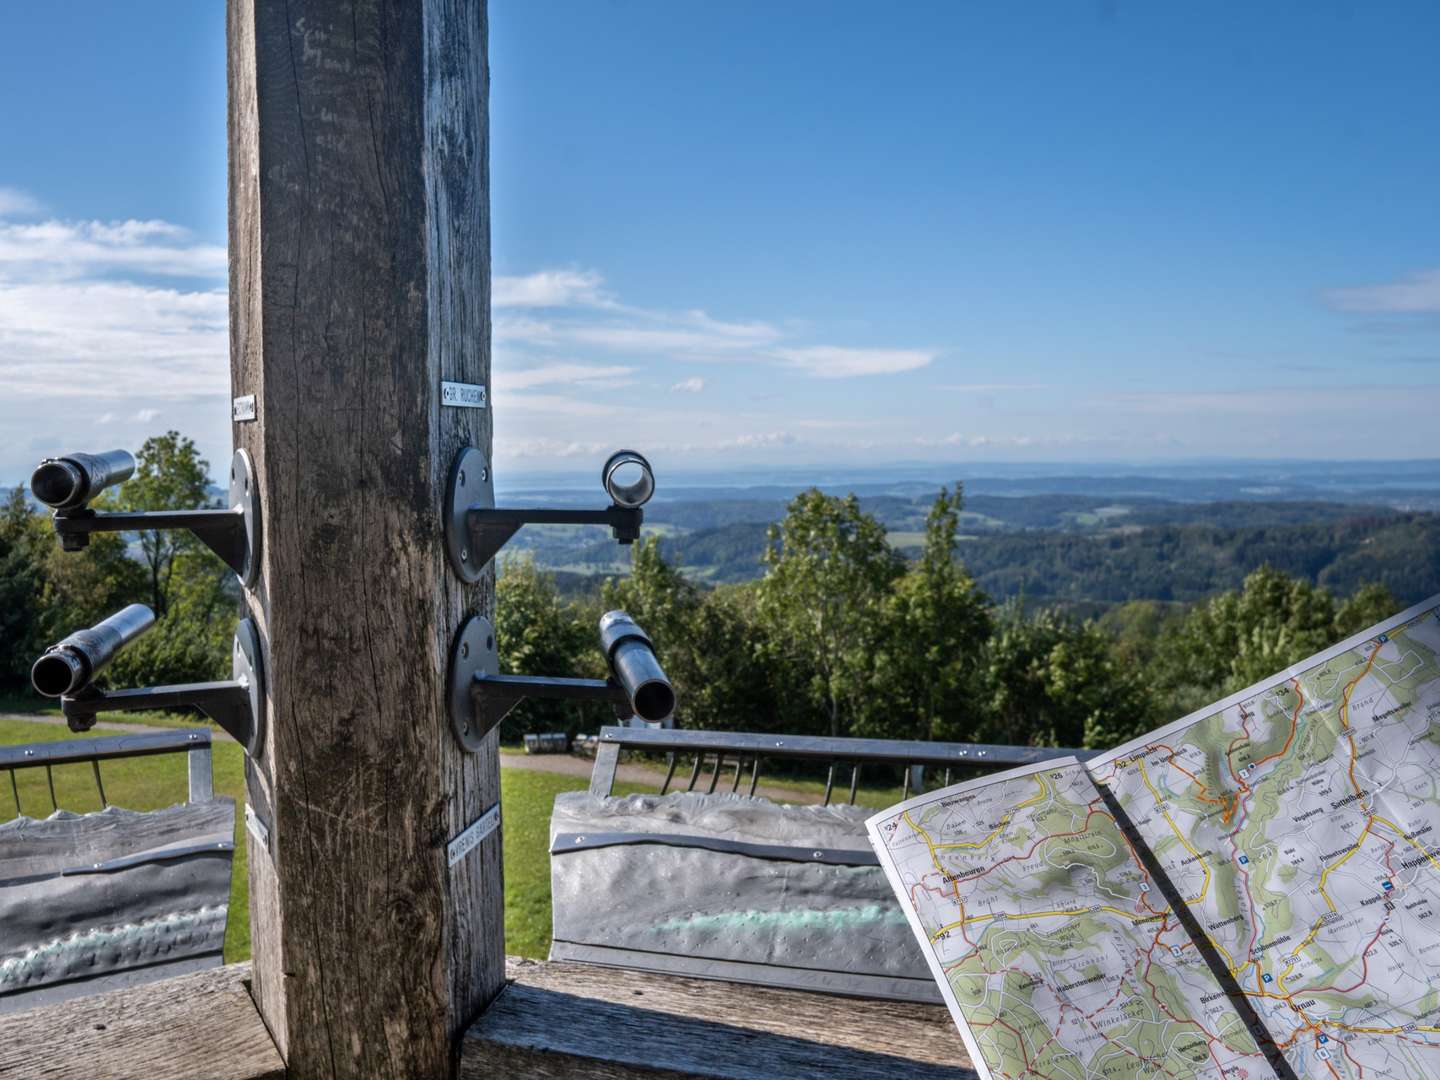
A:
[(462, 395), (256, 827), (470, 839), (243, 408)]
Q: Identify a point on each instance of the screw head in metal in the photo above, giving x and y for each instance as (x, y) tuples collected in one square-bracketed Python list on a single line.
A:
[(464, 555), (484, 474), (464, 648), (462, 477)]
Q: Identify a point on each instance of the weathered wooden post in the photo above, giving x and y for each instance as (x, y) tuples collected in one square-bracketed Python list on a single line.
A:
[(359, 281)]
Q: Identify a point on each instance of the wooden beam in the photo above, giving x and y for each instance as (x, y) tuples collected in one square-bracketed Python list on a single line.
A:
[(359, 280), (562, 1020), (176, 1029)]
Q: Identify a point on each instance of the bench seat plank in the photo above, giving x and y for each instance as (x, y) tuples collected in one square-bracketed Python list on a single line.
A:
[(200, 1025), (560, 1020)]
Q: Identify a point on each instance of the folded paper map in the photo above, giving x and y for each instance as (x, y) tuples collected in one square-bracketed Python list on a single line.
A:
[(1251, 891)]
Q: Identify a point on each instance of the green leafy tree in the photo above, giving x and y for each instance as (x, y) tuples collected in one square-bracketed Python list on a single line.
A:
[(821, 602), (1240, 637), (930, 656), (1368, 605), (169, 474), (538, 633), (21, 585), (706, 641), (1055, 682)]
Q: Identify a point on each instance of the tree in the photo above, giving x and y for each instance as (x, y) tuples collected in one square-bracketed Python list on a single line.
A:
[(21, 583), (1240, 637), (828, 571), (1055, 682), (706, 641), (170, 474), (930, 656), (537, 633)]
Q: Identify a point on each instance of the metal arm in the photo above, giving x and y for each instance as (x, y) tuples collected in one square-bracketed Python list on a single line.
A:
[(475, 530), (233, 533), (480, 697), (493, 696), (236, 704)]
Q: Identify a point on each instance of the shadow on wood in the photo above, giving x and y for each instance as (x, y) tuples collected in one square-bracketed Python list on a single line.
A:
[(559, 1020)]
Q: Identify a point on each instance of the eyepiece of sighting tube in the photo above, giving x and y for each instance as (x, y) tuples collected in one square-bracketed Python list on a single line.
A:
[(632, 661), (628, 479), (72, 664), (69, 482)]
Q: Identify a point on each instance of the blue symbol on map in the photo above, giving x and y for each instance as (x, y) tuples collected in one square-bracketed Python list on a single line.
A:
[(1264, 978), (1387, 886), (1324, 1038), (1382, 638), (1244, 859)]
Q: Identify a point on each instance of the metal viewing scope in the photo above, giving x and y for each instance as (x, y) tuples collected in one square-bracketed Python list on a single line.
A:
[(475, 530), (68, 484), (70, 665), (68, 669), (480, 697)]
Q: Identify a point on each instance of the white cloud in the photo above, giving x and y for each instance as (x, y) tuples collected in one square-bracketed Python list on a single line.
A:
[(1417, 294), (144, 416), (529, 450), (74, 322), (16, 203), (505, 379), (71, 250), (759, 441), (836, 362), (549, 288), (112, 340), (990, 388), (693, 385), (558, 405)]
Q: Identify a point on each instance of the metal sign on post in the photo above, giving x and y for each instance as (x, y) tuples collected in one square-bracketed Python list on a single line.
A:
[(470, 839), (462, 395)]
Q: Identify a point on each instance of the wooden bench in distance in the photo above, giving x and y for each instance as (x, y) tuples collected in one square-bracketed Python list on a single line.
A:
[(559, 1020)]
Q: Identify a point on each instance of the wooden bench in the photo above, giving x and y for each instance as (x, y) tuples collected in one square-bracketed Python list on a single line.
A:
[(552, 1020)]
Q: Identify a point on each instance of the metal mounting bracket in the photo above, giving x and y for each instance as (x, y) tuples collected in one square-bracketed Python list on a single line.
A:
[(237, 704), (472, 653), (470, 485), (479, 697), (232, 533)]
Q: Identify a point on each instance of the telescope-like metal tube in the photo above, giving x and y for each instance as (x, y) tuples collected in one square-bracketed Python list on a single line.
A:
[(628, 479), (632, 661), (69, 482), (72, 664)]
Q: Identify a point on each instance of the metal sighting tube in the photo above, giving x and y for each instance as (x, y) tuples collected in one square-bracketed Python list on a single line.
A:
[(632, 660), (69, 482), (72, 664)]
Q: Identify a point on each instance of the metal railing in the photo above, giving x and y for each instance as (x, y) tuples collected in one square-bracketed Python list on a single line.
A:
[(914, 757), (195, 742)]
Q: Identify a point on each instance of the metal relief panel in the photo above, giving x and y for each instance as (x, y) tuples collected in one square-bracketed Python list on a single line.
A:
[(810, 916)]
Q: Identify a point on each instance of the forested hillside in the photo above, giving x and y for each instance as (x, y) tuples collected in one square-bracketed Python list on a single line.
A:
[(1339, 547), (1067, 620)]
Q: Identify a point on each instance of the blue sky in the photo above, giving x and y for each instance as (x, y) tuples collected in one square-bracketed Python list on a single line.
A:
[(788, 233)]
